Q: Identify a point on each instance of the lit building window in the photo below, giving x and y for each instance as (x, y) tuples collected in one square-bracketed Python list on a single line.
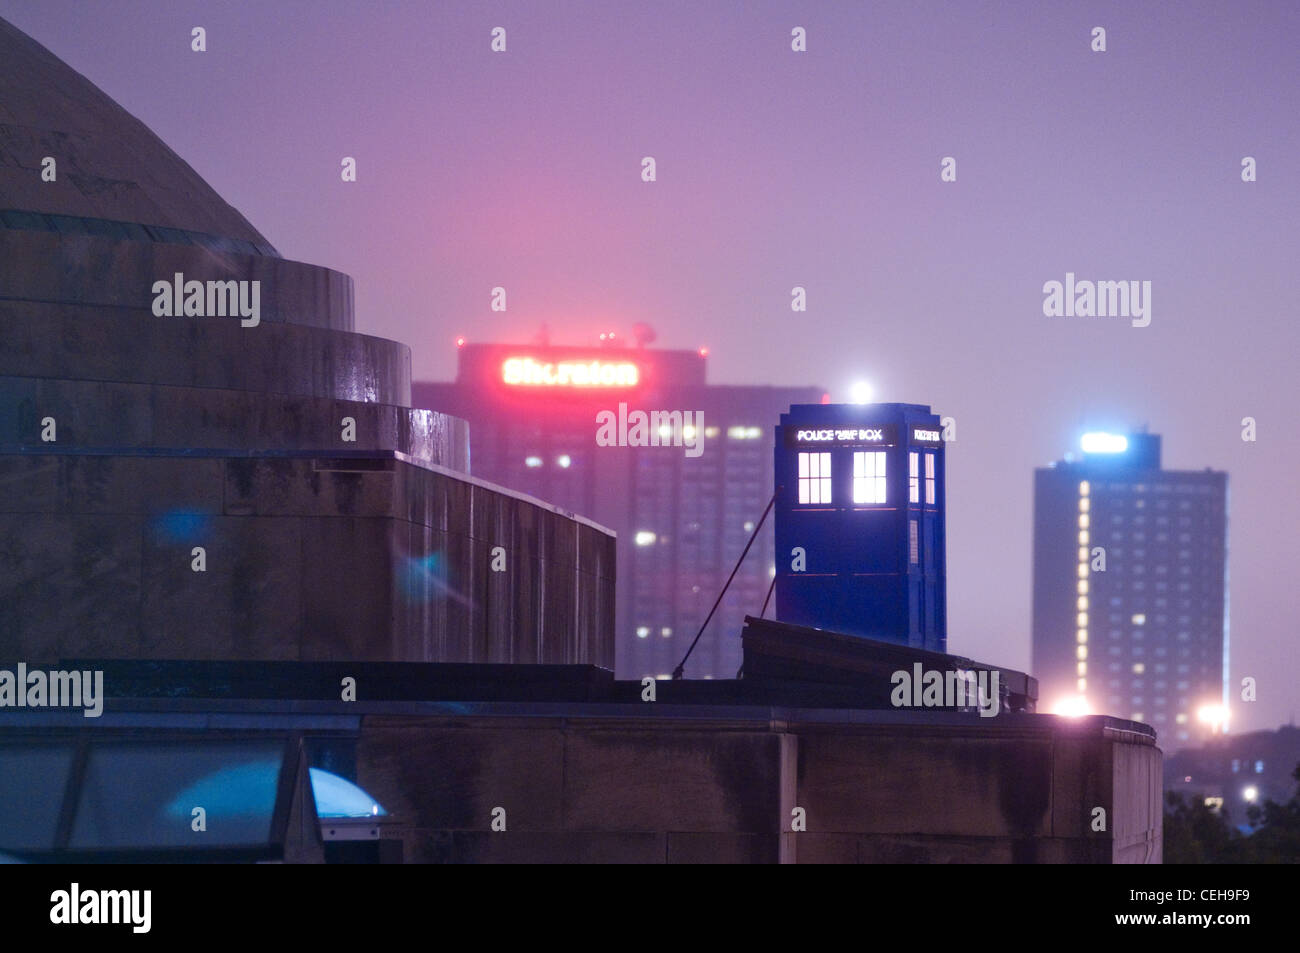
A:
[(914, 477), (532, 461), (1139, 619), (913, 542), (642, 631), (1084, 488), (711, 433), (869, 476), (1081, 651), (930, 496), (1139, 668), (1081, 636), (666, 631), (564, 460), (1083, 537), (1083, 521), (645, 538), (1083, 504), (814, 478), (1082, 685), (1082, 668)]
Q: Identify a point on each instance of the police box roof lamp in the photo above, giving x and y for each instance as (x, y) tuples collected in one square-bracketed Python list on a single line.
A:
[(1099, 442)]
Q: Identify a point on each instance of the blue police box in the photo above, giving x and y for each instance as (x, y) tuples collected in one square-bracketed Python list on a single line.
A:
[(859, 521)]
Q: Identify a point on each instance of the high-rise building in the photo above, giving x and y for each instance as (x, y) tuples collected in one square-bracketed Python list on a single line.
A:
[(683, 503), (1130, 587)]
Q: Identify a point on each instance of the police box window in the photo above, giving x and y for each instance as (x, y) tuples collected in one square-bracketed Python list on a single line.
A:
[(814, 478), (929, 479), (869, 476)]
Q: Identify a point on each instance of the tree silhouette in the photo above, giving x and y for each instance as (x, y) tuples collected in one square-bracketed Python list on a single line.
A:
[(1194, 834)]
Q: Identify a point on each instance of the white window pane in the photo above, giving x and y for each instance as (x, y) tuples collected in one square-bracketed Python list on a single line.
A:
[(912, 463), (803, 466), (803, 491)]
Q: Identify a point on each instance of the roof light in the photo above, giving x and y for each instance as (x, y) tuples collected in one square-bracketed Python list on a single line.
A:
[(1103, 443)]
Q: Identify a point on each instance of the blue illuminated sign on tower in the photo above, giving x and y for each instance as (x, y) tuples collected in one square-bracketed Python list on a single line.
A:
[(860, 521)]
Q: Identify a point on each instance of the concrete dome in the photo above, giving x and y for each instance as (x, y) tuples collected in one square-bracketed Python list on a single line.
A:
[(110, 166)]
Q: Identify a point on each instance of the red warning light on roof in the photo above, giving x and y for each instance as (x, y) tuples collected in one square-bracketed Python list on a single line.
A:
[(826, 398), (704, 352), (460, 342)]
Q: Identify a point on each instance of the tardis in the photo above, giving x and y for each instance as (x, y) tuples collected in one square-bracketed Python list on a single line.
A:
[(859, 521)]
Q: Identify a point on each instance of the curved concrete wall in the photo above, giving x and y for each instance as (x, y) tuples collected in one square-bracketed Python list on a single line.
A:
[(110, 164), (306, 558), (100, 416), (86, 343), (116, 273), (172, 432)]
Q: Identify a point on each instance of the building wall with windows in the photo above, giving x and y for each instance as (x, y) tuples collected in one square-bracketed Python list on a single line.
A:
[(1130, 589), (682, 519)]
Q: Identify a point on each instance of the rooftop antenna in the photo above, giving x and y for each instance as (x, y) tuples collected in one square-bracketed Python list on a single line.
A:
[(643, 334)]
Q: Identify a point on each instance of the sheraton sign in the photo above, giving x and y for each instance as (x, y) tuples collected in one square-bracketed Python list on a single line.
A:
[(525, 372)]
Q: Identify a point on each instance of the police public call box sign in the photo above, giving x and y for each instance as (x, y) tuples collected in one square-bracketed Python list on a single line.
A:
[(885, 435)]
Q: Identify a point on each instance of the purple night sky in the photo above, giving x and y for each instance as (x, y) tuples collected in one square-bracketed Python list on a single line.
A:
[(818, 169)]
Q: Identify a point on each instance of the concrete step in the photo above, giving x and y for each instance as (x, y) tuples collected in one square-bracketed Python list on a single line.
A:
[(81, 342)]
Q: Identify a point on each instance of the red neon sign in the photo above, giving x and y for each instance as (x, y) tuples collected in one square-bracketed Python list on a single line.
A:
[(525, 372)]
